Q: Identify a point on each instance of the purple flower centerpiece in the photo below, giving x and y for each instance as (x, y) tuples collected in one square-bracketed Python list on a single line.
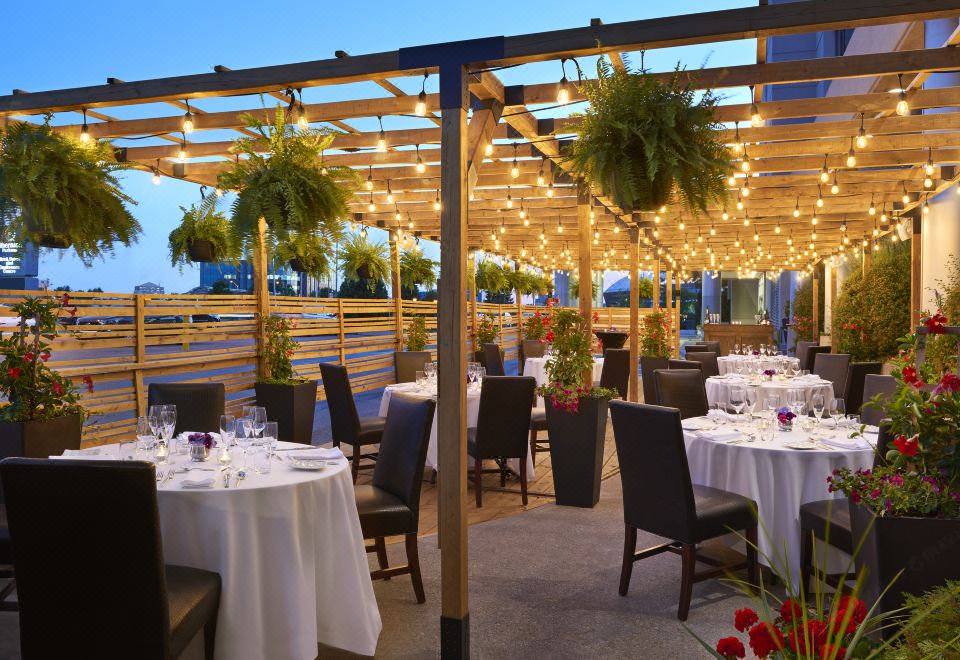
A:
[(768, 374), (200, 445), (785, 418)]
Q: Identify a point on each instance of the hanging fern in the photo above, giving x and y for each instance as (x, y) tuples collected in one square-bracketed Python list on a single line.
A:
[(288, 185), (362, 260), (203, 222), (642, 141), (309, 252), (574, 288), (56, 190), (416, 269), (492, 278)]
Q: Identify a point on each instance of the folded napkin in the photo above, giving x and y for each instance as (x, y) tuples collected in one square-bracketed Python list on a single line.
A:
[(93, 451), (718, 435), (187, 434), (846, 443), (318, 454), (93, 454), (206, 482)]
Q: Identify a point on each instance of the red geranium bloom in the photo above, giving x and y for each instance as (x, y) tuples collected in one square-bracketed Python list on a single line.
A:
[(28, 356), (949, 383), (14, 372), (832, 652), (45, 356), (57, 388), (731, 647), (549, 336), (857, 613), (765, 638), (743, 619), (89, 383), (66, 299), (596, 317), (815, 635), (790, 610), (935, 323), (906, 446), (910, 377)]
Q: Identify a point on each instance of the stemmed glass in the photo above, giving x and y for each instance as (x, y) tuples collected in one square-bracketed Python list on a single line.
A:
[(816, 403), (228, 429), (267, 445), (421, 380), (837, 411), (750, 401), (481, 374), (737, 399), (430, 371), (736, 349), (245, 438)]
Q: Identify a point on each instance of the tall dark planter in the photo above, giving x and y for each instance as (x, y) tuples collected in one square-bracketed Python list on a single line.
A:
[(926, 549), (292, 406), (610, 339), (576, 451), (41, 438)]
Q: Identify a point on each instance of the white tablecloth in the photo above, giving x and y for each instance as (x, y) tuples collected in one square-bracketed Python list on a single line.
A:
[(778, 479), (718, 388), (728, 363), (537, 367), (290, 552), (473, 410)]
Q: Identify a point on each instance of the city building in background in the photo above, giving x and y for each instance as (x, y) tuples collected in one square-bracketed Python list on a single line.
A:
[(281, 281), (148, 287)]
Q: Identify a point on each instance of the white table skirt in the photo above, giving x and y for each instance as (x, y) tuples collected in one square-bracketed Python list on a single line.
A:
[(290, 554), (473, 412), (537, 367), (728, 363), (718, 389), (779, 480)]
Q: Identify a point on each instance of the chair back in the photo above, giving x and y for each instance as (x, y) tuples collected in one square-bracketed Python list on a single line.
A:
[(708, 363), (689, 349), (88, 558), (811, 356), (344, 419), (657, 491), (503, 421), (833, 367), (856, 379), (493, 359), (801, 354), (615, 373), (713, 347), (682, 389), (647, 366), (884, 437), (199, 405), (403, 449), (874, 385), (407, 363)]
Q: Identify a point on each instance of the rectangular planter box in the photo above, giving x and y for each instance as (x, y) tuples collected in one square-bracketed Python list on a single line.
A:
[(576, 451), (292, 406), (42, 438)]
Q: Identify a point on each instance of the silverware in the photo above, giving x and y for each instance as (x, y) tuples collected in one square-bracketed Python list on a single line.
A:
[(226, 477), (170, 475), (241, 475), (159, 476)]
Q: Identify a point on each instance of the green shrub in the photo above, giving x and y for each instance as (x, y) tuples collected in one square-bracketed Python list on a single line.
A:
[(942, 349), (933, 627), (803, 311), (417, 333)]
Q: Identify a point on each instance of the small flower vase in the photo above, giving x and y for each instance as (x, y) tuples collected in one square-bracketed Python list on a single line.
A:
[(766, 377), (199, 452), (785, 425)]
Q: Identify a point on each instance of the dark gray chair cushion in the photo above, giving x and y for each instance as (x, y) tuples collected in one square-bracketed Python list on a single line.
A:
[(199, 405), (682, 389), (833, 367)]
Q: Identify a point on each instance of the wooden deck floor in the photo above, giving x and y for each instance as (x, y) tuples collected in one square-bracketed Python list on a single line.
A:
[(497, 502)]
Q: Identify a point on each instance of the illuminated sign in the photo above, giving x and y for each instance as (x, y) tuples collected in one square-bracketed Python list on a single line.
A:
[(17, 260)]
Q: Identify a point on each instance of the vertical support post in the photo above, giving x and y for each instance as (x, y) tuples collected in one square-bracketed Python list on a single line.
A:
[(262, 294), (656, 283), (816, 304), (140, 355), (916, 272), (584, 267), (634, 382), (452, 369), (669, 298), (519, 324), (341, 335), (867, 258), (395, 286), (472, 295)]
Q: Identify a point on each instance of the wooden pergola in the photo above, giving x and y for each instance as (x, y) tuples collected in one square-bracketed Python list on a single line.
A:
[(474, 167)]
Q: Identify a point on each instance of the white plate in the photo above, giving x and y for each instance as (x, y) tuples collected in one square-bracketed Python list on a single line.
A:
[(298, 464), (698, 424), (800, 444)]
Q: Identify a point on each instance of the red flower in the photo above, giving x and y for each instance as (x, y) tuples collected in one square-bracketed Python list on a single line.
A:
[(28, 356), (549, 337), (832, 652), (743, 619), (14, 372), (765, 638), (731, 647), (949, 383), (45, 356), (57, 388), (65, 300), (790, 610), (89, 383), (935, 323), (907, 447), (596, 317), (910, 377), (814, 633), (857, 613)]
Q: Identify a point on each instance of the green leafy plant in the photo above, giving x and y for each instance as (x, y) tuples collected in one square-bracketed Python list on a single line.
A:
[(528, 283), (203, 222), (34, 390), (932, 630), (574, 288), (364, 261), (537, 326), (416, 268), (278, 351), (307, 252), (417, 333), (280, 177), (941, 350), (58, 192), (642, 141), (492, 278), (571, 359), (487, 332), (655, 335), (803, 311)]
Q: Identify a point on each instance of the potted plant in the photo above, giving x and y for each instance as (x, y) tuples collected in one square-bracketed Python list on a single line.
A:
[(492, 278), (364, 261), (576, 412), (59, 193), (43, 415), (655, 335), (204, 235), (416, 269), (645, 142), (306, 252), (415, 344), (487, 333), (289, 399), (907, 511)]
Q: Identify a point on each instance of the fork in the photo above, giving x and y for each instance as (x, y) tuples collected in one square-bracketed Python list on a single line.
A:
[(159, 476)]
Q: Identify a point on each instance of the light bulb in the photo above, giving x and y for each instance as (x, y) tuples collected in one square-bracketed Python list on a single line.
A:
[(563, 91), (905, 199), (835, 187), (382, 141), (755, 119), (540, 179), (369, 184), (872, 210), (523, 214), (928, 183), (156, 178), (421, 168), (488, 150), (861, 140), (814, 221), (903, 108), (745, 191), (824, 172), (851, 158), (421, 108), (796, 212), (302, 122), (436, 205), (187, 123), (725, 215), (926, 208), (739, 204), (745, 164), (509, 202), (515, 170), (777, 229), (550, 190), (397, 216), (731, 181), (182, 153), (371, 207), (503, 228)]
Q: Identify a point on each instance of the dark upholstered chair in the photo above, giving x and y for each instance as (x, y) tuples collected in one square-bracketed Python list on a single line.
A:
[(531, 348), (538, 422), (501, 432), (689, 349), (390, 506), (801, 353), (615, 374), (6, 561), (493, 360), (199, 405), (659, 498), (811, 356), (682, 389), (829, 521), (874, 385), (708, 363), (91, 581), (647, 366), (713, 347), (406, 364), (857, 373), (833, 367), (684, 364), (346, 425)]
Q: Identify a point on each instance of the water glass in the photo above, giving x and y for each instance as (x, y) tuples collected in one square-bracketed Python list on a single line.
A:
[(145, 432), (430, 370), (769, 432), (837, 410), (127, 450), (421, 379), (270, 436), (737, 399), (481, 374), (262, 459)]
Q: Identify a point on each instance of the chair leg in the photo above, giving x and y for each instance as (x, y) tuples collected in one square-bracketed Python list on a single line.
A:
[(413, 561), (689, 555), (210, 636), (478, 480), (533, 443), (503, 474), (356, 462), (629, 548), (752, 565), (806, 559), (381, 547), (523, 480)]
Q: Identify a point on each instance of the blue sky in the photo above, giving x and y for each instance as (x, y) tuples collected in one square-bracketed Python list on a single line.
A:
[(69, 45)]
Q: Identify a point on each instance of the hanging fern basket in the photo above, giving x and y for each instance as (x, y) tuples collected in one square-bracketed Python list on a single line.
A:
[(54, 241), (296, 266), (202, 251)]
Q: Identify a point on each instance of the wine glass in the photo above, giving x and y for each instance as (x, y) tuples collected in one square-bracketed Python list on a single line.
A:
[(750, 401), (837, 410), (481, 374), (259, 420), (145, 433), (737, 399), (421, 379), (816, 403), (736, 349), (168, 420), (245, 438), (228, 429)]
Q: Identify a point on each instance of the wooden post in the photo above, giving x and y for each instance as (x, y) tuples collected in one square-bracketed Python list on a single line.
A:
[(452, 366), (519, 324), (472, 295), (585, 243), (916, 272), (341, 334), (262, 294), (139, 356), (816, 303), (656, 283), (670, 309), (867, 259), (634, 382), (395, 285)]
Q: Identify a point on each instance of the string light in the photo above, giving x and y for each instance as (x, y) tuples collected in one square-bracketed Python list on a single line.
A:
[(926, 205), (824, 172), (396, 213), (436, 201), (182, 153), (563, 91), (737, 142), (515, 168), (421, 108), (906, 196), (873, 209), (745, 162), (745, 191), (156, 174), (796, 208), (187, 124), (835, 186), (903, 108), (382, 137), (559, 226), (302, 120), (755, 119), (421, 168), (369, 183), (84, 130), (861, 135), (851, 156), (363, 232), (509, 198), (488, 150), (540, 178), (550, 189), (389, 193), (725, 215), (371, 207)]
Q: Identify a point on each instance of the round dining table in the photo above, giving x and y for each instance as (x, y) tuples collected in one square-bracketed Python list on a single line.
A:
[(718, 388), (778, 477), (727, 364), (288, 548)]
